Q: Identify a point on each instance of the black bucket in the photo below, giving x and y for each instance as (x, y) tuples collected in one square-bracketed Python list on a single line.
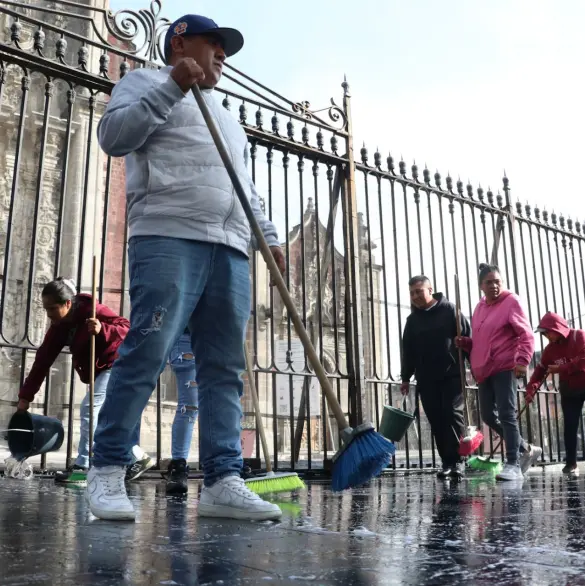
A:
[(47, 435)]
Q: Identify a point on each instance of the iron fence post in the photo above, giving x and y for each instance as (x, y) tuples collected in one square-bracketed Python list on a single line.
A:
[(353, 330), (511, 227)]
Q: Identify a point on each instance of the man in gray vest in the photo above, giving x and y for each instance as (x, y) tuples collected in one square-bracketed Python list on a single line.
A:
[(188, 260)]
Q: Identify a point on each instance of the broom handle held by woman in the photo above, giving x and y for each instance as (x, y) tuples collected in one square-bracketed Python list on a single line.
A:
[(271, 263), (460, 351)]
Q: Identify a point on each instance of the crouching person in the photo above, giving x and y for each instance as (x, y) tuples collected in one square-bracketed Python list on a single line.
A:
[(565, 357)]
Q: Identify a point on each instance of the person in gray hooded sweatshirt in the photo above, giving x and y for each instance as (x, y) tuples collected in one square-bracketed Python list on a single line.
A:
[(188, 261)]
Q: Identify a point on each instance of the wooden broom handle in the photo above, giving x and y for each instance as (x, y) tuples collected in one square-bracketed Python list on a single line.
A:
[(460, 351), (271, 263), (92, 353), (256, 401)]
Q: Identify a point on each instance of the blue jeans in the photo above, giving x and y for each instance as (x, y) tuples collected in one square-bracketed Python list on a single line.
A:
[(182, 363), (175, 283), (99, 395)]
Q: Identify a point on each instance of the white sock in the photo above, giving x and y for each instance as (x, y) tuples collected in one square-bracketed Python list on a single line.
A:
[(138, 453)]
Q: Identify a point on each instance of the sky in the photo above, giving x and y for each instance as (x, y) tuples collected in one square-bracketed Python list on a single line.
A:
[(474, 89)]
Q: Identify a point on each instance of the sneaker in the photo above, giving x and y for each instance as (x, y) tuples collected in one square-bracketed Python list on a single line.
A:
[(73, 475), (529, 458), (445, 472), (106, 494), (510, 472), (232, 499), (458, 471), (571, 470), (139, 468), (177, 476)]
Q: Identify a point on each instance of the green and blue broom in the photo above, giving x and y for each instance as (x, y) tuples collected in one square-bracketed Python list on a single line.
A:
[(364, 452)]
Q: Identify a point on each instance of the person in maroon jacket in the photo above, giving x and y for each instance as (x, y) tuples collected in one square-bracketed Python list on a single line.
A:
[(565, 357), (72, 325)]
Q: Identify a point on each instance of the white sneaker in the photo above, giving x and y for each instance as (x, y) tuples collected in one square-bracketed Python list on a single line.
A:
[(232, 499), (106, 494), (510, 472), (529, 458)]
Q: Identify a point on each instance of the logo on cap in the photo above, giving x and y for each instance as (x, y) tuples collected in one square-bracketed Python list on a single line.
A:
[(181, 28)]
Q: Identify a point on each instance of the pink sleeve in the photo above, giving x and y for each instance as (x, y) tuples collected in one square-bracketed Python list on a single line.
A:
[(521, 326)]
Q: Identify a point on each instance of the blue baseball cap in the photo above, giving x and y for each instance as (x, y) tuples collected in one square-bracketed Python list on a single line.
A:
[(194, 24)]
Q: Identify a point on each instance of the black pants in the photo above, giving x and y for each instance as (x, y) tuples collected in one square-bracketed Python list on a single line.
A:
[(572, 405), (443, 404)]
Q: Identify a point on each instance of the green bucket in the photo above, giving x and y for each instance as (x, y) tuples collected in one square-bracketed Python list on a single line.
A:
[(395, 423)]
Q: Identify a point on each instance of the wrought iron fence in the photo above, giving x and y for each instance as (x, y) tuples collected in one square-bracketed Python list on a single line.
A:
[(353, 233)]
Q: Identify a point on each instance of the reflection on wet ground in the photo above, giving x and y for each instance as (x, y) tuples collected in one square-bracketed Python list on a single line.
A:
[(399, 530)]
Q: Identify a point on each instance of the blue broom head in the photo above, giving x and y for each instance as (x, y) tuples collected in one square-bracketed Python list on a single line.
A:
[(365, 456)]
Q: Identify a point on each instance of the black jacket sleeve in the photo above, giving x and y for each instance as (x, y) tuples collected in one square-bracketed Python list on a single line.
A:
[(408, 359)]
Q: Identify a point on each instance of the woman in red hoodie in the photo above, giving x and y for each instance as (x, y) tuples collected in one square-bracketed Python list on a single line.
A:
[(500, 350), (72, 325), (565, 357)]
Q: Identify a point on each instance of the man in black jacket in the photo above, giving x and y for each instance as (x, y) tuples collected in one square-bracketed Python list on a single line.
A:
[(430, 354)]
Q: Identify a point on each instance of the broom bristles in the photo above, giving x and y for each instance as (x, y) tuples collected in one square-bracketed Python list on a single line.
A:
[(484, 464), (470, 444), (278, 482), (363, 458)]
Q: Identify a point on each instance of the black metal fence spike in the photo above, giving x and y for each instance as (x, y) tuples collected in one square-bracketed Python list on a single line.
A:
[(414, 171), (402, 168), (334, 144), (390, 163), (437, 178), (259, 118), (364, 154), (15, 32), (528, 210), (39, 41), (305, 135), (320, 140), (377, 159), (243, 113), (460, 187), (61, 49)]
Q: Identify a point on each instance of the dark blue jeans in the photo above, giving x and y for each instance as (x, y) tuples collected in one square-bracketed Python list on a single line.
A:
[(498, 406), (175, 283)]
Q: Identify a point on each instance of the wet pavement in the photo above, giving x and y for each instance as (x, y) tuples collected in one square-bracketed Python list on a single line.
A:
[(401, 529)]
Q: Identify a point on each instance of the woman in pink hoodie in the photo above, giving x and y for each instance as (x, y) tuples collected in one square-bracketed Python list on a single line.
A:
[(500, 350)]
